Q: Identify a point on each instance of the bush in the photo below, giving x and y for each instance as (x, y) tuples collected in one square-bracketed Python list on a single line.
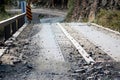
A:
[(109, 18)]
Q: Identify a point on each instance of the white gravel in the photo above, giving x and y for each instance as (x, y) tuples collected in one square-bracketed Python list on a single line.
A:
[(50, 64), (107, 43)]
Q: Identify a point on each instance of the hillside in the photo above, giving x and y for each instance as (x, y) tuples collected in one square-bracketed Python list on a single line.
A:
[(103, 12)]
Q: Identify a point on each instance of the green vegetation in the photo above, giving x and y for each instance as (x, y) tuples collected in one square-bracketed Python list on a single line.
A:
[(71, 4), (109, 18), (4, 16)]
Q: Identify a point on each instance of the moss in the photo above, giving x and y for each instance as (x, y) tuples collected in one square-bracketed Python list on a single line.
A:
[(109, 18)]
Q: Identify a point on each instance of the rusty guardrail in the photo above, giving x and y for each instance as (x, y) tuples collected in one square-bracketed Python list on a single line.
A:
[(11, 25)]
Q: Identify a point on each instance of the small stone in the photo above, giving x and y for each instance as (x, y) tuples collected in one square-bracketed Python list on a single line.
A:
[(29, 66), (0, 62), (25, 62), (85, 67), (90, 70), (101, 72), (82, 45), (100, 56), (99, 67), (16, 61), (53, 73), (107, 72), (1, 76), (2, 44), (71, 53), (109, 66), (100, 53), (96, 47), (90, 54), (90, 78), (80, 71), (74, 74)]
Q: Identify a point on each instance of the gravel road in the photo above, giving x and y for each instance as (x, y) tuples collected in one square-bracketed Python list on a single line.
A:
[(43, 52), (107, 42)]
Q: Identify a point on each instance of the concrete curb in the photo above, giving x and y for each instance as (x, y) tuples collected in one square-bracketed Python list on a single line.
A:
[(83, 53), (106, 29)]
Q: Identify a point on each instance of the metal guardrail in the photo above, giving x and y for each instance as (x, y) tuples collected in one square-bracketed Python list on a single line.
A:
[(11, 25)]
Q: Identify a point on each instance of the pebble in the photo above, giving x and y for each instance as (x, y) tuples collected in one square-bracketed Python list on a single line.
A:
[(2, 44), (16, 61), (107, 72), (90, 54), (80, 71), (96, 47), (90, 78), (29, 66), (74, 74), (99, 67), (109, 66), (82, 45)]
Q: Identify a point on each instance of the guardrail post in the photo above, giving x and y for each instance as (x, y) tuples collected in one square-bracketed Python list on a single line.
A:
[(14, 27), (7, 32), (19, 23)]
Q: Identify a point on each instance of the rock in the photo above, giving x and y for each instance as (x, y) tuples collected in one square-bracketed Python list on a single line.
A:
[(11, 51), (100, 56), (91, 70), (90, 78), (96, 47), (109, 66), (14, 44), (101, 72), (0, 62), (16, 61), (26, 43), (29, 66), (24, 62), (74, 74), (100, 53), (2, 44), (9, 42), (99, 68), (86, 67), (90, 54), (82, 45), (107, 72), (1, 76), (80, 71), (71, 53)]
